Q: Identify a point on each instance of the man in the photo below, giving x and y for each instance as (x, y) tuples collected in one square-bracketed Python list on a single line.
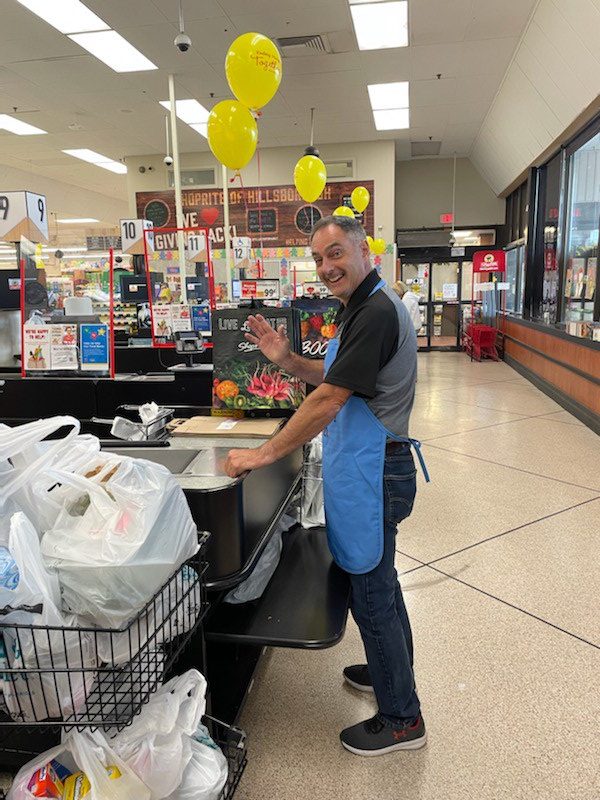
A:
[(363, 399), (411, 301)]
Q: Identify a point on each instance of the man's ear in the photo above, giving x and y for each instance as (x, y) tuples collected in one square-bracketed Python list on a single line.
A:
[(364, 246)]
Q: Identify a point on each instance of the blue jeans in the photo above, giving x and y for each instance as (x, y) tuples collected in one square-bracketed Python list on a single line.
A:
[(378, 606)]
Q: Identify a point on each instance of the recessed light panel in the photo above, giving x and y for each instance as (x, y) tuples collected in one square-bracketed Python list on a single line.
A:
[(380, 25), (13, 125), (98, 160), (67, 16), (115, 51)]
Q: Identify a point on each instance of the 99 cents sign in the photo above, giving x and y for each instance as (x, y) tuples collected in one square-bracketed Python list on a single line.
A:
[(23, 214), (261, 289)]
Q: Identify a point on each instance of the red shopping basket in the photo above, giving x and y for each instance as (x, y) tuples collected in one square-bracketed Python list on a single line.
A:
[(479, 341)]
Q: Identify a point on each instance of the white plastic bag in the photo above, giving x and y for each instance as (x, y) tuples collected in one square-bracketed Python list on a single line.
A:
[(24, 457), (91, 754), (121, 532), (206, 772), (184, 588), (313, 505), (51, 693), (157, 745), (256, 583)]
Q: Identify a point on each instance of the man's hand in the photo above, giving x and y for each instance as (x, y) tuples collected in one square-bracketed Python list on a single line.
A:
[(240, 461), (273, 344)]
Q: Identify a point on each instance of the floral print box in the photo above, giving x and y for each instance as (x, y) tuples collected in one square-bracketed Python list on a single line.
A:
[(244, 379)]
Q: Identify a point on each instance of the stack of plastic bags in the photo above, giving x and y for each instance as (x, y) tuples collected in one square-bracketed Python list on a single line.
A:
[(165, 754), (87, 538)]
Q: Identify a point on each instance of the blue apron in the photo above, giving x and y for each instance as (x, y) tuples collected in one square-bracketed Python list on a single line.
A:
[(353, 461)]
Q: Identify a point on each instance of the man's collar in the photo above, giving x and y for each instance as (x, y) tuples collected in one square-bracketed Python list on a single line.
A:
[(360, 294)]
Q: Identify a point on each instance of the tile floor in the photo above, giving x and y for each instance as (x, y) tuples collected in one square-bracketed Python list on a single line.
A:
[(499, 569)]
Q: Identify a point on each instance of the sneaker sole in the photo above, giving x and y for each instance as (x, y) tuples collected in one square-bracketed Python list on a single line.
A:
[(360, 686), (415, 744)]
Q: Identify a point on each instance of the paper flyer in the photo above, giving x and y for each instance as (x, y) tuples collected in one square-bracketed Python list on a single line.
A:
[(63, 347), (201, 318), (36, 347), (163, 321), (590, 285), (181, 320), (94, 347)]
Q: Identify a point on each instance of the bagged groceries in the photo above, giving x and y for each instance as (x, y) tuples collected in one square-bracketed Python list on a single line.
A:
[(159, 745), (206, 772), (83, 766), (122, 529), (31, 597)]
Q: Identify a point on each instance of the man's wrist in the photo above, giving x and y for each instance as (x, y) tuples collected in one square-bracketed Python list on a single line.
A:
[(287, 363)]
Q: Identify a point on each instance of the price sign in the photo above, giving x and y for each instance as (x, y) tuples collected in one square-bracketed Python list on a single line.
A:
[(196, 247), (261, 289), (132, 236), (314, 289), (242, 245), (23, 214)]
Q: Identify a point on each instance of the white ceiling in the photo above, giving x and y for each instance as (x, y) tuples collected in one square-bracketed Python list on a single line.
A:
[(81, 102)]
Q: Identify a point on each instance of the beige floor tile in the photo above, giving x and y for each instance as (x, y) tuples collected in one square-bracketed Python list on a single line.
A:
[(565, 452), (511, 396), (404, 563), (511, 707), (470, 500), (549, 568), (563, 416), (432, 417)]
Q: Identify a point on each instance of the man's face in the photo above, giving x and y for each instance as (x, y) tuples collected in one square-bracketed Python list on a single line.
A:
[(342, 260)]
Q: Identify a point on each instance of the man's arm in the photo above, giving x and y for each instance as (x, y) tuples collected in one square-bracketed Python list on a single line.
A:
[(315, 413)]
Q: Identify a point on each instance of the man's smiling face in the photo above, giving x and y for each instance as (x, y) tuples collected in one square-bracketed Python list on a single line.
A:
[(342, 260)]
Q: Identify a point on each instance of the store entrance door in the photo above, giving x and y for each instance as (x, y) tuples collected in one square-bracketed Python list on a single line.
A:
[(438, 285)]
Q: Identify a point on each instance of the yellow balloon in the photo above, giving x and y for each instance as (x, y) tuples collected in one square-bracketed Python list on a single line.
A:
[(310, 177), (360, 198), (253, 69), (379, 246), (370, 243), (343, 211), (232, 134)]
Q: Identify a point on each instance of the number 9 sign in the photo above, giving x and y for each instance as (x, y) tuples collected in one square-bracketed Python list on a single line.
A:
[(23, 214)]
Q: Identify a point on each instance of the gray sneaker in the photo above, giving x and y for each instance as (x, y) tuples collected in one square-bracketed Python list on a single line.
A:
[(358, 677), (374, 738)]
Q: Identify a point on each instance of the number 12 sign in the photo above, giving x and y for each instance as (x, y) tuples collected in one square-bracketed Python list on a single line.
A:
[(23, 214)]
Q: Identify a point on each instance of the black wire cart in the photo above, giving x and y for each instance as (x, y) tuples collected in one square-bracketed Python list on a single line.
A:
[(56, 679)]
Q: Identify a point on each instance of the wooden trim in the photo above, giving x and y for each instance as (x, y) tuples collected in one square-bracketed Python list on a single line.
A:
[(564, 350), (574, 386)]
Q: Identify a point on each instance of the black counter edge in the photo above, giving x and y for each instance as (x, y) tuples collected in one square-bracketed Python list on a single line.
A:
[(572, 406)]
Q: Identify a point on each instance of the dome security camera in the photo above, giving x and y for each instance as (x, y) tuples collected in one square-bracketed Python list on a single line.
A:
[(168, 161), (182, 42)]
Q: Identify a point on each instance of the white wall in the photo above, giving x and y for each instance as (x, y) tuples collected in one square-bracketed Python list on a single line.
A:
[(554, 77), (424, 192), (372, 161), (64, 199)]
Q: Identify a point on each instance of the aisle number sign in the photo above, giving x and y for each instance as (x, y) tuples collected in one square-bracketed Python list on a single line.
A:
[(261, 289), (132, 236), (196, 247), (242, 246), (23, 214)]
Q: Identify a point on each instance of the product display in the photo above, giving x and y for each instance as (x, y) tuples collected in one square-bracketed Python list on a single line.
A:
[(317, 324), (243, 377)]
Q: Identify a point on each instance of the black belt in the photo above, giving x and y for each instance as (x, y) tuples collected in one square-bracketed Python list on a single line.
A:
[(392, 447)]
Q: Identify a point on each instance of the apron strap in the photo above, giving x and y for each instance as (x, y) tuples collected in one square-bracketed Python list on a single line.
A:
[(417, 445)]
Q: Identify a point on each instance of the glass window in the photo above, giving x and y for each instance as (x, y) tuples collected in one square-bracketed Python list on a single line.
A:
[(515, 217), (583, 215), (551, 203), (512, 268), (467, 280), (524, 209)]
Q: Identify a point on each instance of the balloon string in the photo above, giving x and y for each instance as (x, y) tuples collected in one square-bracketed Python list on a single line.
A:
[(238, 174), (260, 225)]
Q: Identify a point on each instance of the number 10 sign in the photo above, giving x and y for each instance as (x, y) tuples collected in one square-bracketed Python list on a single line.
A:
[(23, 214)]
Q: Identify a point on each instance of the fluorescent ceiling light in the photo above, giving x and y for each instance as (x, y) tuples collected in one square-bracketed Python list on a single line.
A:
[(75, 221), (67, 16), (391, 120), (192, 113), (13, 125), (115, 51), (380, 25), (97, 160), (388, 95)]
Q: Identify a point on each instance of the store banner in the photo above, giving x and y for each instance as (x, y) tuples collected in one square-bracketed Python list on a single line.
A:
[(489, 261), (275, 216)]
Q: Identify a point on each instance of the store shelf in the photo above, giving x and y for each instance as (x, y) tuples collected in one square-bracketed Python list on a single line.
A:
[(305, 605)]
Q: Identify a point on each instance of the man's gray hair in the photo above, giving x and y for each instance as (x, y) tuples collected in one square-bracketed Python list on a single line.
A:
[(351, 227)]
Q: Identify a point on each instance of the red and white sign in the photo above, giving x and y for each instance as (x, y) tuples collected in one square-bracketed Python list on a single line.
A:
[(261, 289), (446, 219), (489, 261)]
